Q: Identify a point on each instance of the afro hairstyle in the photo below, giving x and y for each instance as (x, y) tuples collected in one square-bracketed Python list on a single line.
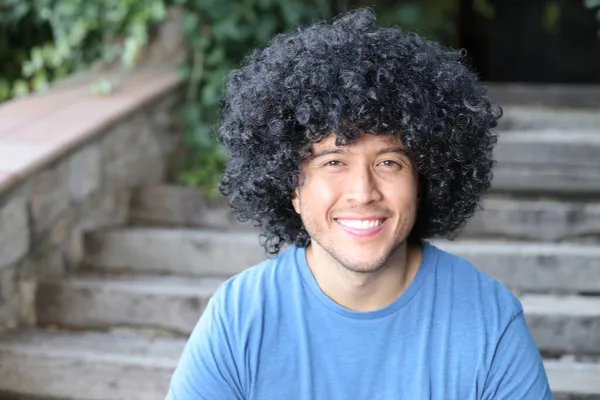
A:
[(349, 79)]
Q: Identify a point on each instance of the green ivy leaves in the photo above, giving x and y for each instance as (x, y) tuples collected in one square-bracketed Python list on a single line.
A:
[(80, 32), (220, 33), (67, 36)]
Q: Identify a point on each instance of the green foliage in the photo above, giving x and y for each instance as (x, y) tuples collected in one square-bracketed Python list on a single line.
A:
[(551, 14), (594, 4), (484, 8), (44, 40), (433, 19), (219, 34)]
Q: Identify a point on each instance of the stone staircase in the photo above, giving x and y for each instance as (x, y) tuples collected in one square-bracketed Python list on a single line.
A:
[(115, 328)]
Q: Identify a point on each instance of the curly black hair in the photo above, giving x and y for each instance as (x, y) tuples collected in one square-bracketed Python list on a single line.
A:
[(348, 79)]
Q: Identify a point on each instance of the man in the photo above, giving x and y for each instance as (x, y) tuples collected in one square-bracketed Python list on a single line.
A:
[(353, 145)]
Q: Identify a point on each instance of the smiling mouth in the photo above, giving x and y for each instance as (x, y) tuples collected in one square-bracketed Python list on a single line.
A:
[(360, 224)]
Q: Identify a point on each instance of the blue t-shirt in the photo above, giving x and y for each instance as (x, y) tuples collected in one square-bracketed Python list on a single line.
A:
[(271, 333)]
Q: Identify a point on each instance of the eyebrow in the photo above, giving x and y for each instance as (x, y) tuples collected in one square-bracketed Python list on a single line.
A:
[(327, 152), (395, 149)]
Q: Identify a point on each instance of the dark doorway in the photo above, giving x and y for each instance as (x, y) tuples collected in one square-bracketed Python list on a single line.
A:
[(528, 41)]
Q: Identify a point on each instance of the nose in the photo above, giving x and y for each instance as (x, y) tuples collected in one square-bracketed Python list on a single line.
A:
[(362, 186)]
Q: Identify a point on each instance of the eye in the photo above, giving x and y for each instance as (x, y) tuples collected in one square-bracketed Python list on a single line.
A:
[(332, 163), (391, 164)]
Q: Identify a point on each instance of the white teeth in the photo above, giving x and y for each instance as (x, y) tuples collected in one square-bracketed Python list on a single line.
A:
[(360, 224)]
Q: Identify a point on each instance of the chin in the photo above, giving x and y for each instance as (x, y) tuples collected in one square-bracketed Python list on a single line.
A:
[(364, 269), (365, 265)]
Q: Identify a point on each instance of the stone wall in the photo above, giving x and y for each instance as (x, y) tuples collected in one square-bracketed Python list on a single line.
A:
[(45, 210)]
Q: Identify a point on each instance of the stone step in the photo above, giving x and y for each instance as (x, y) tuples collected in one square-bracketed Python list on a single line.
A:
[(87, 366), (563, 324), (560, 324), (534, 219), (533, 267), (536, 118), (177, 251), (573, 381), (571, 96), (537, 267), (171, 304), (171, 205), (548, 161), (96, 366)]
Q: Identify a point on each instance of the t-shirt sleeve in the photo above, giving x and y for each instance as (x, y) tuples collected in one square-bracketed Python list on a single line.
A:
[(517, 371), (207, 368)]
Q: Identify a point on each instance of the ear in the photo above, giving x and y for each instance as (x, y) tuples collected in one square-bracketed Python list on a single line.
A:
[(295, 196)]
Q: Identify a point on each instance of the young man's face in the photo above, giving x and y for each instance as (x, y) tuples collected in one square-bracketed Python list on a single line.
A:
[(358, 202)]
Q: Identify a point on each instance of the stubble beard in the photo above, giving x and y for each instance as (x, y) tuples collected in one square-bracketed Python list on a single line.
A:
[(350, 265)]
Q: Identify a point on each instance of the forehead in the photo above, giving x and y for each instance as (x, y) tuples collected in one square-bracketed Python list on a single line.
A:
[(365, 142)]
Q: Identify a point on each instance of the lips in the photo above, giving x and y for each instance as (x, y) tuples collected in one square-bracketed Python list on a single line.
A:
[(361, 227), (361, 224)]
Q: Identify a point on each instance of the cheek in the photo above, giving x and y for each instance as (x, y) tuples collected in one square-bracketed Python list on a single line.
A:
[(402, 192), (317, 194)]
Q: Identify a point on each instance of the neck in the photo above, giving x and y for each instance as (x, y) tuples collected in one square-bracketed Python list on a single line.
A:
[(365, 291)]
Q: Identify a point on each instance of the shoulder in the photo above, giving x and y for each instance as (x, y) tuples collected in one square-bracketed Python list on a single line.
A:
[(493, 330), (248, 290), (471, 286)]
